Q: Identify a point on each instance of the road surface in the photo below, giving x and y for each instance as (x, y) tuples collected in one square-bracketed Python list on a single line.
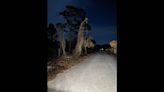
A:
[(97, 73)]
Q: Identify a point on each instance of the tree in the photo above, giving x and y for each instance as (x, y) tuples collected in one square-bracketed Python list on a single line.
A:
[(87, 38), (80, 38), (51, 34), (52, 41), (60, 27), (113, 45), (78, 23), (74, 16)]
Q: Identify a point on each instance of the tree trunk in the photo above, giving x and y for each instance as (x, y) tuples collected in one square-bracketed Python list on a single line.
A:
[(69, 46), (85, 46), (79, 44), (63, 44), (85, 50), (59, 52), (80, 39)]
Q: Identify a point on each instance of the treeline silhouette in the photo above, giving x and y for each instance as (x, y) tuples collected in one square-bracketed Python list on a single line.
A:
[(77, 27)]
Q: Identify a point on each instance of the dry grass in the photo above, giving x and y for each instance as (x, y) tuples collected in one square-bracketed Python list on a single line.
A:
[(57, 66)]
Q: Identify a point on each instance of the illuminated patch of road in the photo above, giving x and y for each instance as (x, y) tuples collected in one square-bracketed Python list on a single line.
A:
[(97, 73)]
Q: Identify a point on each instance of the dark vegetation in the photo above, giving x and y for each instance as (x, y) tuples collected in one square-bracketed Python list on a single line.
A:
[(65, 52)]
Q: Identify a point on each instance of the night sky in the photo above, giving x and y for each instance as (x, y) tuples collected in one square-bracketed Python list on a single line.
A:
[(101, 15)]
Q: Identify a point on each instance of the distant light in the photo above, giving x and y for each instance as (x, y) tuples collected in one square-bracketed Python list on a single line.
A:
[(101, 49)]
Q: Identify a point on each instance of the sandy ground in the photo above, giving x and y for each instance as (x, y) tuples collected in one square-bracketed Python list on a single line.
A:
[(97, 73)]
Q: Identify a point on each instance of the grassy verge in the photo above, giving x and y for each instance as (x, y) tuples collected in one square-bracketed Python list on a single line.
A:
[(57, 66)]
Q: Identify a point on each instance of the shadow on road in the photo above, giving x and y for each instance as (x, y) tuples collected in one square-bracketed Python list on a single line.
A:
[(54, 90)]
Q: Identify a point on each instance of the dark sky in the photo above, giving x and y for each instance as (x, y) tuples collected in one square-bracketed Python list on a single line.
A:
[(101, 15)]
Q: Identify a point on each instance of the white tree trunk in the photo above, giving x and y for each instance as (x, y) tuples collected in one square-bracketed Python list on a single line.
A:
[(85, 50), (79, 44), (59, 52), (80, 38), (85, 46), (62, 44)]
